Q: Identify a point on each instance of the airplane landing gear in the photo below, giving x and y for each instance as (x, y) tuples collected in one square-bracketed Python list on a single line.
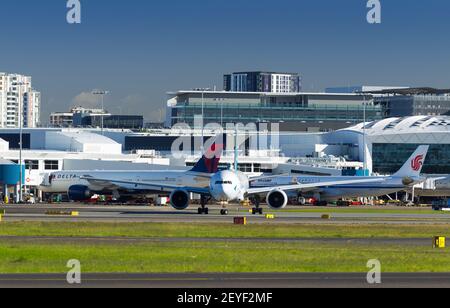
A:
[(224, 210), (257, 209), (203, 210)]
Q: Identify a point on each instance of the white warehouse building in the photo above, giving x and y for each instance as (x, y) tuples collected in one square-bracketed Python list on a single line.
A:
[(80, 141)]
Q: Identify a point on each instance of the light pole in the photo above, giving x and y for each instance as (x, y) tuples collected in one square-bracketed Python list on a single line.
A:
[(102, 94), (203, 90), (364, 134), (20, 102), (221, 113)]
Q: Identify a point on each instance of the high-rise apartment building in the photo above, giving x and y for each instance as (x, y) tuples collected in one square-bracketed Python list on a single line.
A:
[(18, 101), (266, 82)]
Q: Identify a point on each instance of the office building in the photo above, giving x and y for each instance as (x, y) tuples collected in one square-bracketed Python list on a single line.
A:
[(266, 82), (18, 101), (61, 119), (134, 122), (86, 117), (76, 117)]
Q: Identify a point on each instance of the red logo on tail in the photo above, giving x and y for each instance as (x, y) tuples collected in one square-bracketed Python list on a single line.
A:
[(417, 163), (212, 158)]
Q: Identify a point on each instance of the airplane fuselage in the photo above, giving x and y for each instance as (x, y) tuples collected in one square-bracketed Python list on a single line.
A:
[(380, 187), (60, 182)]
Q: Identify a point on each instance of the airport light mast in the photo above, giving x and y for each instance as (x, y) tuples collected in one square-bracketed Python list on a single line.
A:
[(203, 90), (102, 94), (20, 101), (364, 134)]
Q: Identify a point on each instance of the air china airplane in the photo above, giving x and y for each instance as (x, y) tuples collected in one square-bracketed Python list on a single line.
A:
[(404, 179), (204, 179)]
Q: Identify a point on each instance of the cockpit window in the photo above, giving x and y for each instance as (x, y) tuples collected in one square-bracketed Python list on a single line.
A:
[(224, 183)]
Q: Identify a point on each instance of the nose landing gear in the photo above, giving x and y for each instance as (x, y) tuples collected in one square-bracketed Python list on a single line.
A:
[(224, 210)]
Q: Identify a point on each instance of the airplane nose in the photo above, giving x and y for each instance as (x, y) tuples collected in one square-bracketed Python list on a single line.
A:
[(217, 192), (230, 193), (224, 193)]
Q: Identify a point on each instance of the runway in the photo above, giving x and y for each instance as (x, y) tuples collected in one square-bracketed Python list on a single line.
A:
[(228, 281), (167, 214)]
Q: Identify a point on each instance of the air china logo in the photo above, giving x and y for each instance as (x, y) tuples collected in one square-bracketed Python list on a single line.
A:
[(417, 163)]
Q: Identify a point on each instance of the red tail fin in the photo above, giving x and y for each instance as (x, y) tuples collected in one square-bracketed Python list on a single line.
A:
[(209, 163)]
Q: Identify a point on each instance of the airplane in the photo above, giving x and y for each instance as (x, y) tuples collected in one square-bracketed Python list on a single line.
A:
[(79, 186), (204, 179), (224, 187), (404, 179)]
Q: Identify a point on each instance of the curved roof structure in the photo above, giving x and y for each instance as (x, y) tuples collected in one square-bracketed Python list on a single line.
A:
[(416, 124), (408, 130), (80, 141)]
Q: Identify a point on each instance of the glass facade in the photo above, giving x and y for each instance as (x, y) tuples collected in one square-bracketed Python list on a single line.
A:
[(290, 112), (415, 105), (389, 158), (300, 112), (164, 143), (115, 121)]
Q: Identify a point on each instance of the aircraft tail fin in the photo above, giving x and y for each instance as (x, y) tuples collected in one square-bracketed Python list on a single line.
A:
[(209, 163), (413, 166)]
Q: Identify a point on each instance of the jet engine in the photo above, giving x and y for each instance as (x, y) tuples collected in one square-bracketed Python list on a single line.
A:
[(277, 199), (180, 199), (79, 193)]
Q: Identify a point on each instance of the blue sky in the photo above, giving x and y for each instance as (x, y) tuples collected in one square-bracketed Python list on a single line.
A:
[(140, 49)]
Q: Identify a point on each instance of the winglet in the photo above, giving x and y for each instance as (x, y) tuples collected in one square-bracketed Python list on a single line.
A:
[(413, 166), (209, 163)]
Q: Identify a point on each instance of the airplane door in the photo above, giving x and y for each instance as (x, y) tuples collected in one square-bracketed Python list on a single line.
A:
[(48, 179)]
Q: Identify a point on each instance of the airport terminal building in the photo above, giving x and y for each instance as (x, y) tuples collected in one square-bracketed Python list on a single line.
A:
[(389, 143), (404, 101), (306, 112)]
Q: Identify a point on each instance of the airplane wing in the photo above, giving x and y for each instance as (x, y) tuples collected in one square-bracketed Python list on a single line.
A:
[(133, 185), (261, 190), (105, 184), (265, 177)]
